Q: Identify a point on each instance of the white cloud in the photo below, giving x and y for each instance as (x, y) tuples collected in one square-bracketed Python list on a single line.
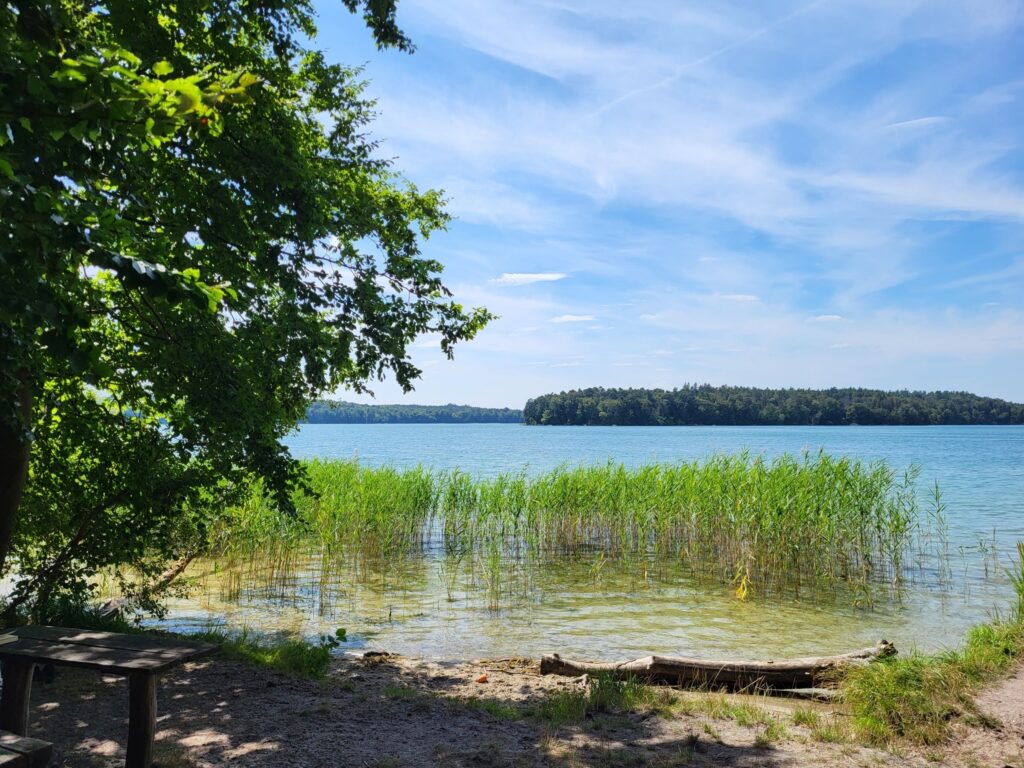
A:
[(525, 278), (739, 297), (827, 318), (573, 319)]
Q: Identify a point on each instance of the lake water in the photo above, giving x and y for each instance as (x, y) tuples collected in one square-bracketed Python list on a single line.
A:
[(625, 612)]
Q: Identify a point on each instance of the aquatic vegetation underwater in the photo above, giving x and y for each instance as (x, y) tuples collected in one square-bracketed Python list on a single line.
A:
[(789, 525)]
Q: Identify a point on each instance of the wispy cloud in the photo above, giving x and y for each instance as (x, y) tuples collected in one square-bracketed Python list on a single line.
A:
[(918, 122), (740, 173), (706, 58), (739, 297), (525, 278), (573, 319)]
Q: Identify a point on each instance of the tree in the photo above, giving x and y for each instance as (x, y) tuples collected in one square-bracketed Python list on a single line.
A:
[(196, 239), (704, 404)]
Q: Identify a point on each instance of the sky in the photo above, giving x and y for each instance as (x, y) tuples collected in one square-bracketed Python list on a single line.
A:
[(777, 194)]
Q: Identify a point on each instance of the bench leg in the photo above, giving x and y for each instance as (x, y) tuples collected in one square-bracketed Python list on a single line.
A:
[(141, 719), (17, 691)]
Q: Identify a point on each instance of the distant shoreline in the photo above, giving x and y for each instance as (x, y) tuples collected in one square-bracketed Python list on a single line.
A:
[(341, 412), (698, 406), (666, 426), (705, 405)]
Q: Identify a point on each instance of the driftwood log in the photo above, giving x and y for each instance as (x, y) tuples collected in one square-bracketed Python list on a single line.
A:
[(813, 672)]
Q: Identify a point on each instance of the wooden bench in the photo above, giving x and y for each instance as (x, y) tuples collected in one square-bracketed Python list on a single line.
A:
[(140, 658), (22, 752)]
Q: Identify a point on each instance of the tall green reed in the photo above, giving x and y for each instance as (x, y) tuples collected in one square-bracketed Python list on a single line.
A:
[(781, 525)]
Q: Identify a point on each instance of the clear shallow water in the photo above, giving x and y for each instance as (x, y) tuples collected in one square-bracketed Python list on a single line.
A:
[(618, 610)]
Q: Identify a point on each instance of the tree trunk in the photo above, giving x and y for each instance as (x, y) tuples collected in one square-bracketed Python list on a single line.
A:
[(14, 451), (812, 672)]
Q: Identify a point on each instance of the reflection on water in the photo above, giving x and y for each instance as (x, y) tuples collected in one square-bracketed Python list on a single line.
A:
[(588, 607)]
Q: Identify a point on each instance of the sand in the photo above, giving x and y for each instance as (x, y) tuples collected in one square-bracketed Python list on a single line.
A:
[(391, 712)]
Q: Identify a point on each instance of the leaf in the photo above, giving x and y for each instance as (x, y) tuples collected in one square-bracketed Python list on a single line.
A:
[(189, 95), (7, 170), (39, 89), (162, 68), (69, 73)]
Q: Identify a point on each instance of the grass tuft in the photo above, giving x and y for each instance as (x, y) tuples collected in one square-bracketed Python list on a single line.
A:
[(808, 717), (289, 655), (603, 694)]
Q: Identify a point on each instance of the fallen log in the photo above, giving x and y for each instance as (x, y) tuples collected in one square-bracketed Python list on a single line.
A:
[(812, 672)]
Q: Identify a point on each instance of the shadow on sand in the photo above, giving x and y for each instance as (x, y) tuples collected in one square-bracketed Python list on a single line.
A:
[(227, 713)]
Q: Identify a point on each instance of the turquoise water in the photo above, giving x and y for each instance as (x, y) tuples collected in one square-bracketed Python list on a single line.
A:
[(410, 607)]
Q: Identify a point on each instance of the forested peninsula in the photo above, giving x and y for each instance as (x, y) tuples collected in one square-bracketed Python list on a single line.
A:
[(748, 406), (341, 412)]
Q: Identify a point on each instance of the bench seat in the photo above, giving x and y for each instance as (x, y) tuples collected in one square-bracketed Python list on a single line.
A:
[(23, 752)]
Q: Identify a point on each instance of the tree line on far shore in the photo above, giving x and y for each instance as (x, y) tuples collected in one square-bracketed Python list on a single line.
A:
[(704, 404), (341, 412)]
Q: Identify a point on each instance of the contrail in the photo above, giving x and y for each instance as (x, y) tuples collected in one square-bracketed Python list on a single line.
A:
[(706, 58)]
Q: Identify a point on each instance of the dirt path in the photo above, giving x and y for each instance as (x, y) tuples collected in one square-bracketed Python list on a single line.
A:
[(1001, 743), (392, 712)]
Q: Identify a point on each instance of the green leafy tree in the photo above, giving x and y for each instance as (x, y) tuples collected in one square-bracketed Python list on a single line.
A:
[(197, 238), (704, 404)]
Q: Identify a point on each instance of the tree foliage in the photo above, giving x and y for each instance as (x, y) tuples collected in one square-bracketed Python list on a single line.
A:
[(695, 404), (197, 237)]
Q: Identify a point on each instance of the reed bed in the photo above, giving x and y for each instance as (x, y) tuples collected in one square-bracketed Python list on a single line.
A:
[(763, 526)]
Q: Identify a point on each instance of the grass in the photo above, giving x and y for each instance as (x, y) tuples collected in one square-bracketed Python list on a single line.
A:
[(830, 732), (766, 526), (496, 708), (772, 732), (393, 691), (292, 656), (606, 695), (808, 717), (603, 694), (914, 698)]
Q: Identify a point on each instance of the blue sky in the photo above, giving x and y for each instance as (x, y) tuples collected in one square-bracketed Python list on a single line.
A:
[(762, 193)]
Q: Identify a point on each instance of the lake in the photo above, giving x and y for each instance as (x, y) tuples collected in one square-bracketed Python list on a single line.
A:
[(623, 612)]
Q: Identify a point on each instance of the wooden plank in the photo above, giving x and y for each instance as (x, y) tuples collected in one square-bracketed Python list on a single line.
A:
[(36, 752), (15, 695), (141, 720), (12, 759), (131, 642), (116, 660)]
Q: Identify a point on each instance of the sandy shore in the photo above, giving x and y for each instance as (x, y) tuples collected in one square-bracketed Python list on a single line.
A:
[(389, 712)]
